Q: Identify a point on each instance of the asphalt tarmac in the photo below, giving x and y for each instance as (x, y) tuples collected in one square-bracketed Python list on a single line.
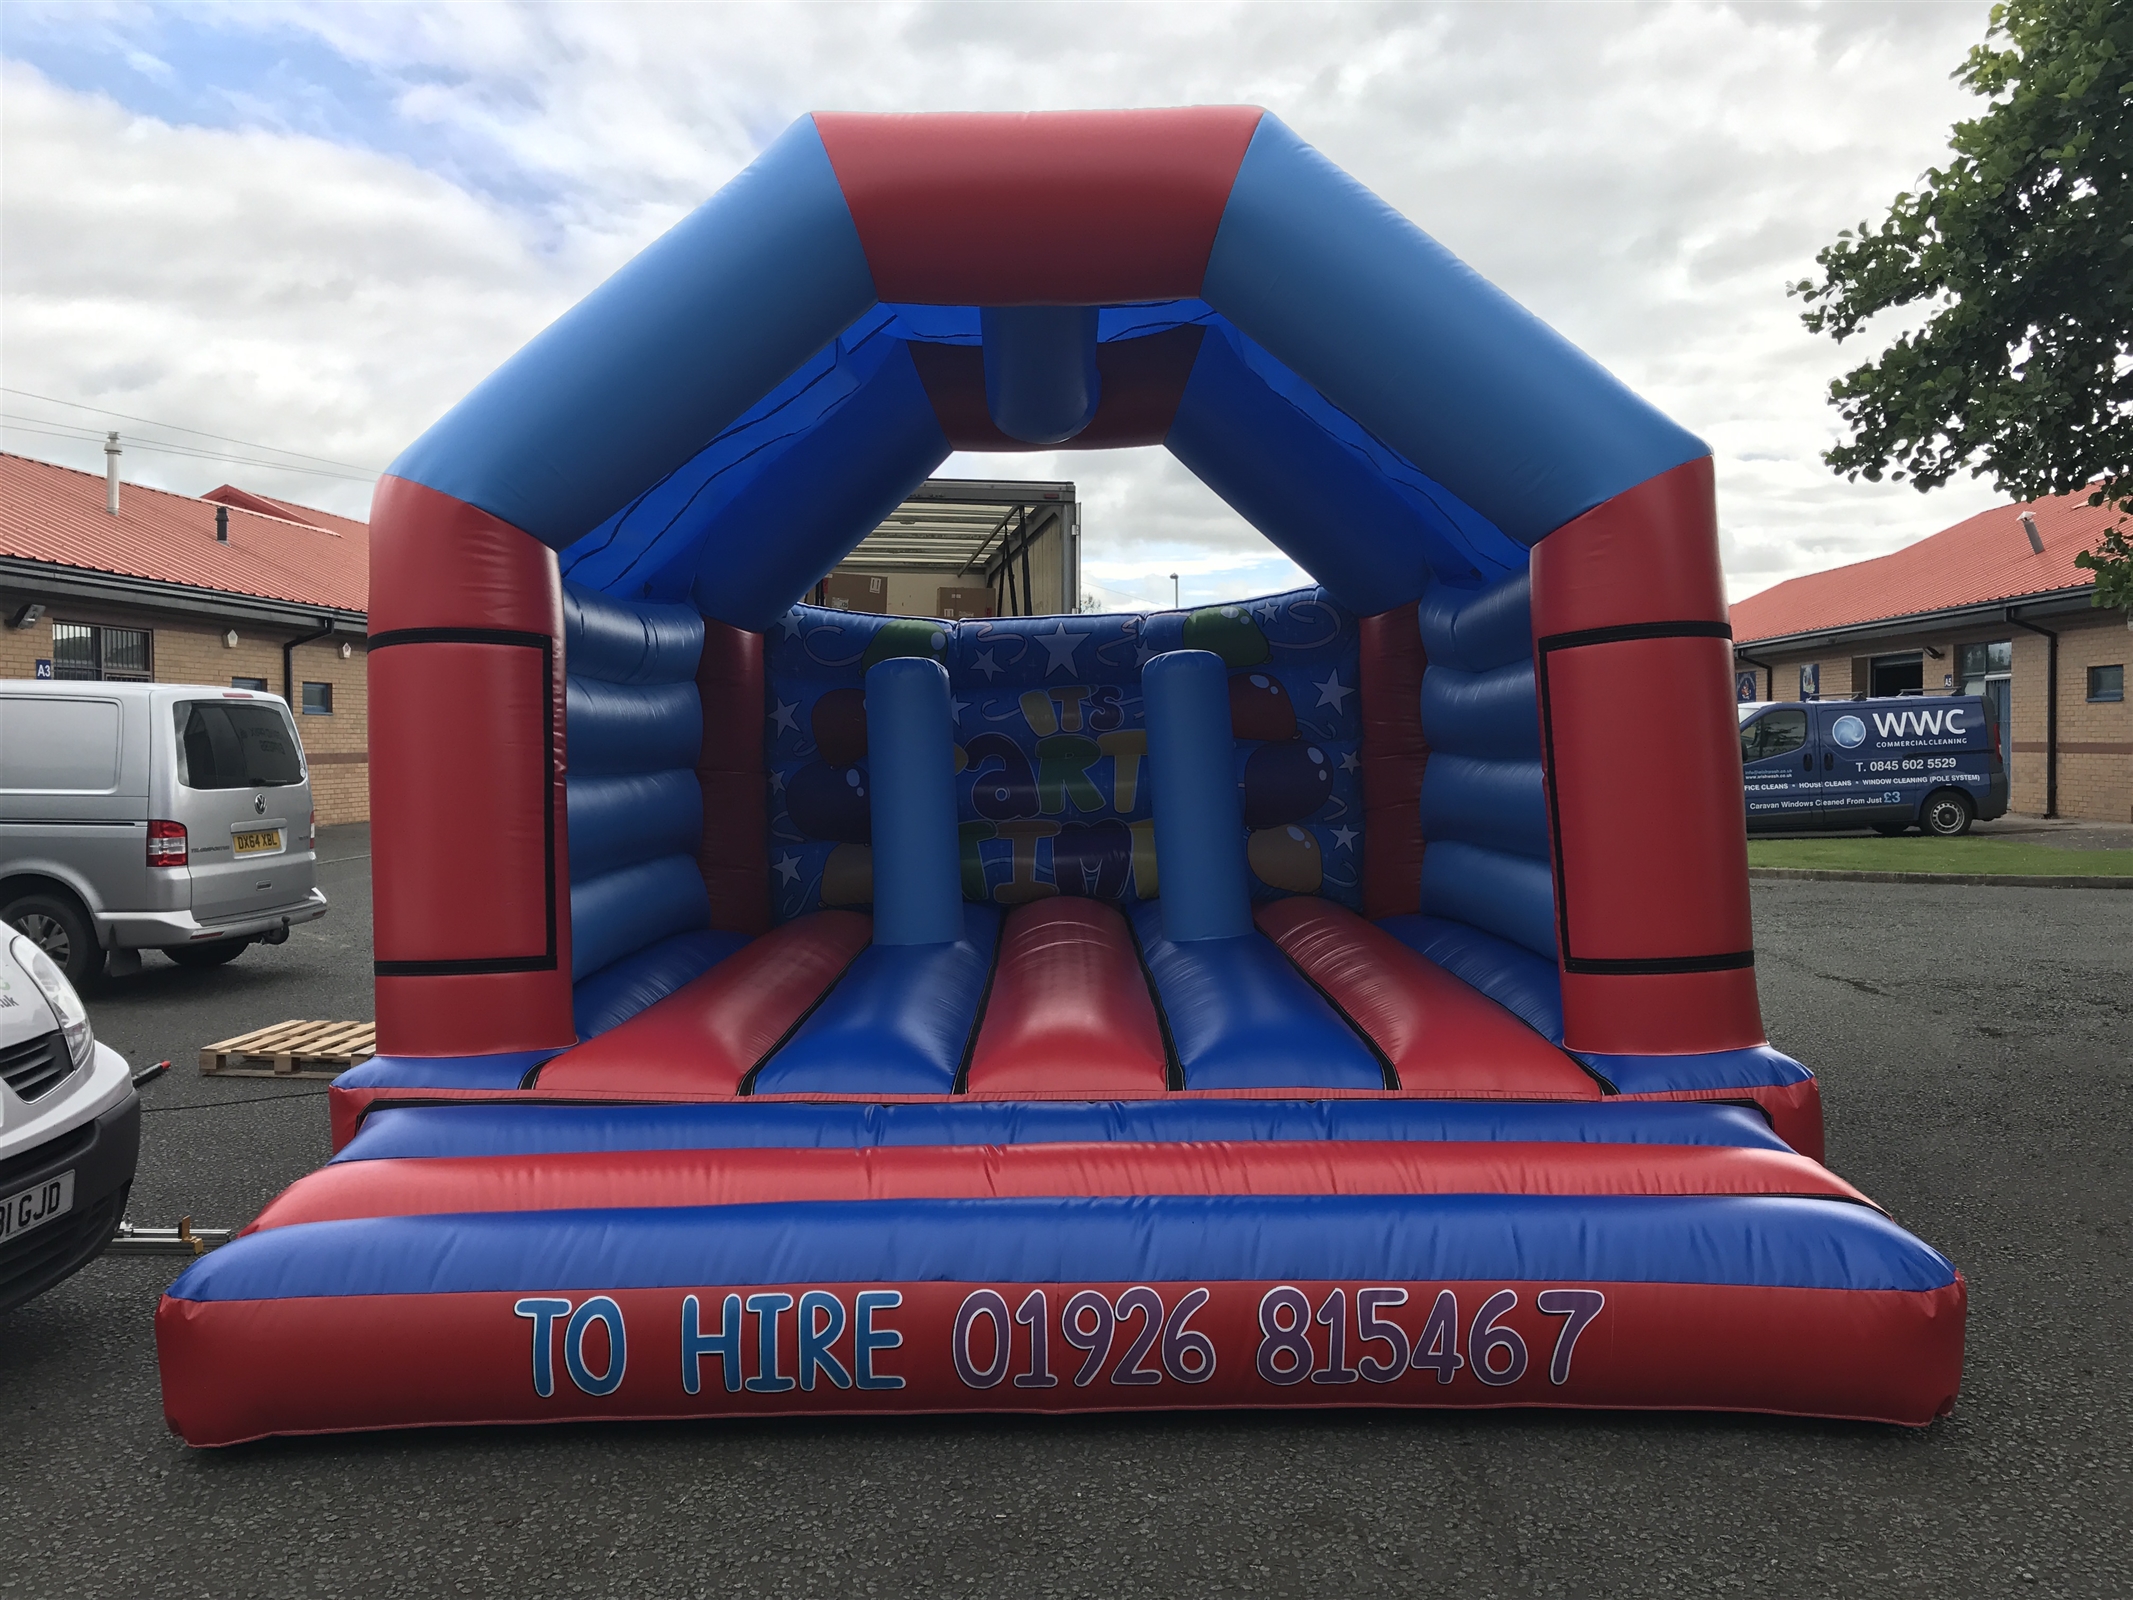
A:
[(1976, 1052)]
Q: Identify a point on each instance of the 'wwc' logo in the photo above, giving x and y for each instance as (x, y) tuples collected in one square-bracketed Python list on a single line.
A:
[(1917, 724)]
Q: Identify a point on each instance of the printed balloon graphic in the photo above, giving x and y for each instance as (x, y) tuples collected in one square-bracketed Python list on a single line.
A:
[(839, 724), (839, 721), (1286, 858), (848, 876), (828, 802), (1285, 782), (1229, 632), (1260, 708), (906, 636)]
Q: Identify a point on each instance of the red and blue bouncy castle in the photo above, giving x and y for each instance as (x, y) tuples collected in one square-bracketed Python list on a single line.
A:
[(1306, 1001)]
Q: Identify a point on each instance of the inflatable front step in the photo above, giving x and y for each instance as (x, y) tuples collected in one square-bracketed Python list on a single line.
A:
[(545, 1263)]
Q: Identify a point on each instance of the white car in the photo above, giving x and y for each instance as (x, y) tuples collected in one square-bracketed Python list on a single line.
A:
[(70, 1127)]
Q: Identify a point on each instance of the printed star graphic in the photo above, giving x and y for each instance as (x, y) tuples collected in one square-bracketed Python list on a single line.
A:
[(1349, 763), (1059, 647), (1344, 837), (793, 623), (983, 662), (777, 783), (956, 708), (788, 866), (1332, 693), (1141, 655), (782, 717)]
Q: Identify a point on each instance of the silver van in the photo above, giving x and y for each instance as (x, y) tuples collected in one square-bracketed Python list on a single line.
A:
[(152, 816)]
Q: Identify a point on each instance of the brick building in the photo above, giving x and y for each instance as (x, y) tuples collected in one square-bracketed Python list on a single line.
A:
[(229, 588), (1992, 606)]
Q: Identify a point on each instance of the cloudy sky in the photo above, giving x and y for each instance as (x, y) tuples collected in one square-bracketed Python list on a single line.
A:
[(311, 229)]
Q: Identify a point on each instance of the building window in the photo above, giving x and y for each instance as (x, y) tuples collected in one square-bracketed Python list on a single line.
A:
[(111, 655), (256, 685), (318, 699), (2107, 683), (1811, 681), (1974, 663)]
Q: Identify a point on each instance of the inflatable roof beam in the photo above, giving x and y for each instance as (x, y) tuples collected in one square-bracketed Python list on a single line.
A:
[(1041, 382), (918, 874), (1199, 822)]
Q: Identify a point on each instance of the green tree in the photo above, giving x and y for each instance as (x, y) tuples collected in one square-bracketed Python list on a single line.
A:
[(2021, 250)]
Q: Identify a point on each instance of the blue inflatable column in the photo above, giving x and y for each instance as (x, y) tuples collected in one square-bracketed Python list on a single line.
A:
[(918, 874), (1041, 382), (1199, 821)]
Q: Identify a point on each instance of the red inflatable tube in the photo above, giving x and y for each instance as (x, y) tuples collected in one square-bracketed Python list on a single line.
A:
[(1648, 555), (703, 1039), (238, 1370), (1069, 1009), (1662, 1013), (466, 693), (1629, 604), (1442, 1036), (1658, 872), (964, 209), (613, 1180)]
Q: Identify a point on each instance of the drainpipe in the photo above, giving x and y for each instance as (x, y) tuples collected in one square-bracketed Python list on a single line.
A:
[(288, 659), (2051, 711), (112, 452)]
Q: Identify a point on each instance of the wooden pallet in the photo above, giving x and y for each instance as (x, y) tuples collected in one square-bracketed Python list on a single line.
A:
[(293, 1050)]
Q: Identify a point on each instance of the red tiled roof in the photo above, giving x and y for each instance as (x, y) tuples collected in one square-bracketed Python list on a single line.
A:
[(1979, 560), (276, 550)]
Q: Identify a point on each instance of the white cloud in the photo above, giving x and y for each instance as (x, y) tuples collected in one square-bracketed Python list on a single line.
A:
[(1647, 179)]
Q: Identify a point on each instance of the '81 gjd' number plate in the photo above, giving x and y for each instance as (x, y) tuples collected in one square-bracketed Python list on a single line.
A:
[(35, 1206)]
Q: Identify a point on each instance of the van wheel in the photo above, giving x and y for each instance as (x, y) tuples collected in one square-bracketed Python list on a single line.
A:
[(59, 927), (221, 952), (1947, 815)]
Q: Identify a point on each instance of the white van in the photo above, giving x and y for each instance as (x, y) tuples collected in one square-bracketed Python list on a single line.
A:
[(70, 1128), (152, 816)]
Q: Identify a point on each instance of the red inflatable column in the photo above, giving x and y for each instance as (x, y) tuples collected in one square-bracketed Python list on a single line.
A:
[(735, 854), (470, 871), (1641, 743), (1393, 756)]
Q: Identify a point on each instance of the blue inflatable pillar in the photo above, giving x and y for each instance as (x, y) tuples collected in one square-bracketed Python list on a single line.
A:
[(1041, 383), (1199, 821), (918, 872)]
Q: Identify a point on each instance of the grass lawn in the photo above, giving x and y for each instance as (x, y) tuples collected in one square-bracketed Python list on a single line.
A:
[(1910, 854)]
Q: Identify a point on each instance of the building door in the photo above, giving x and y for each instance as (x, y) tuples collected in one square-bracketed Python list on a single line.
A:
[(1892, 675)]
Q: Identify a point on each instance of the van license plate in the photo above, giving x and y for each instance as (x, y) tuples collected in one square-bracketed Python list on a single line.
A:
[(252, 844), (35, 1206)]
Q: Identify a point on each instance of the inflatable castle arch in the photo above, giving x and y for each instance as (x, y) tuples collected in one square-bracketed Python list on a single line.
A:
[(784, 1009)]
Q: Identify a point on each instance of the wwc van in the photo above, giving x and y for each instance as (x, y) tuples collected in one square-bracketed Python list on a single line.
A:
[(1930, 762)]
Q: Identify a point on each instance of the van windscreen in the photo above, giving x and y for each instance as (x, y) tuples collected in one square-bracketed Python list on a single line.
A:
[(226, 745)]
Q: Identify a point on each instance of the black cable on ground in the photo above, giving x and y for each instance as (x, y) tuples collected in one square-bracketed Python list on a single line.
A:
[(249, 1100)]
